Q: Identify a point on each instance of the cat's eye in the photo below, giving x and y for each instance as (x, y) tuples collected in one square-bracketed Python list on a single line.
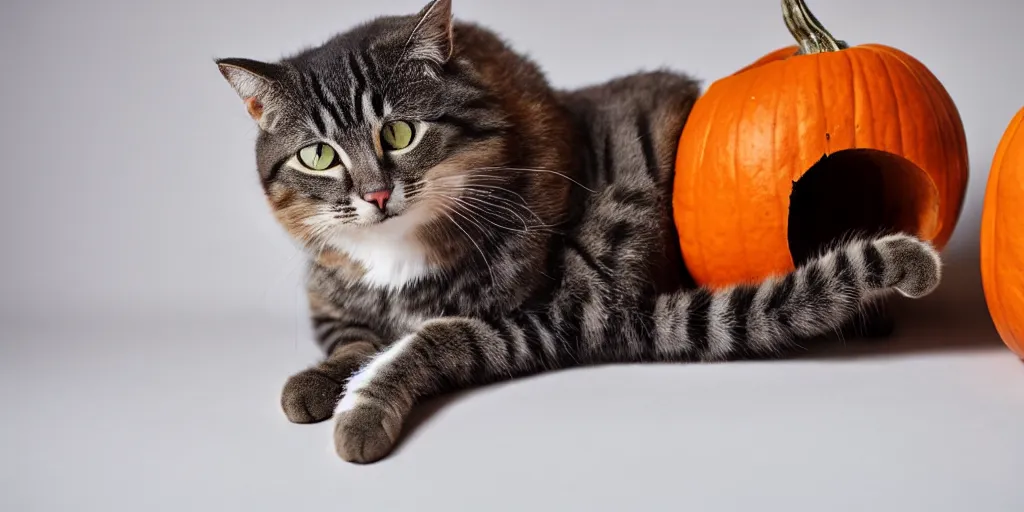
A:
[(397, 135), (318, 157)]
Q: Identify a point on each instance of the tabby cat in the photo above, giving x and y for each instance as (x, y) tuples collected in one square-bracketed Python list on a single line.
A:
[(467, 223)]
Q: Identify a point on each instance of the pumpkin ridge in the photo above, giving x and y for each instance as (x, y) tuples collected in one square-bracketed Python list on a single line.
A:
[(935, 86), (992, 205), (799, 146), (783, 201), (692, 176), (853, 95), (737, 214), (871, 104), (784, 195), (896, 101), (821, 102), (997, 291), (951, 115), (1012, 156), (921, 80), (944, 191), (698, 218)]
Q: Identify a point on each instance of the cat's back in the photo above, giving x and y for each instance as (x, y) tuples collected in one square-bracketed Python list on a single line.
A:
[(626, 134), (630, 125)]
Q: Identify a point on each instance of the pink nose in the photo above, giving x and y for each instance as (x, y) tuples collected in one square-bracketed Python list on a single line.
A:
[(380, 197)]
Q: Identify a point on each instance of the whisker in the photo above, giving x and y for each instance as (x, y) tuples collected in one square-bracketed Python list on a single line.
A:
[(484, 256), (488, 203), (482, 189), (505, 203), (452, 202), (469, 178), (543, 171), (483, 229), (503, 189), (496, 201), (484, 210), (525, 230)]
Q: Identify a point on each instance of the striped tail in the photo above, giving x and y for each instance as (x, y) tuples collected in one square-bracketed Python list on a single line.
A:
[(746, 320), (757, 320)]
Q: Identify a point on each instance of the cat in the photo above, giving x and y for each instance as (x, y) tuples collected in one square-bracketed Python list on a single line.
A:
[(466, 223)]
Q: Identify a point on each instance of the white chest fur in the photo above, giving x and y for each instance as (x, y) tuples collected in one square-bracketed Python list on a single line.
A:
[(390, 252)]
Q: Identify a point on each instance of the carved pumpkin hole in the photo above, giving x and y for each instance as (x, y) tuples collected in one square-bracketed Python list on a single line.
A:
[(859, 192)]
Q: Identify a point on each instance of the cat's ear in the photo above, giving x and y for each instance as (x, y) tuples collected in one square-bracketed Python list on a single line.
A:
[(259, 85), (433, 38)]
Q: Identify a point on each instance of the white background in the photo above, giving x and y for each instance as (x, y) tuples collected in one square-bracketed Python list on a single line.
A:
[(151, 308)]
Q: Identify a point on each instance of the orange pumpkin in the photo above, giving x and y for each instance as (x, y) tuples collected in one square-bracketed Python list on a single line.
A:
[(1002, 237), (811, 143)]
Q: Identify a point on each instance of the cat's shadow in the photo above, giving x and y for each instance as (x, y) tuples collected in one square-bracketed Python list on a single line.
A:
[(921, 328), (955, 319), (425, 412)]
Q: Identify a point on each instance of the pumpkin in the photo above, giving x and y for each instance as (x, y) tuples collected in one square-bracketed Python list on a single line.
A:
[(809, 144), (1002, 237)]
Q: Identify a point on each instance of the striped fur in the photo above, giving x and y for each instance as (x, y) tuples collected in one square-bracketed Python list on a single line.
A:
[(534, 231)]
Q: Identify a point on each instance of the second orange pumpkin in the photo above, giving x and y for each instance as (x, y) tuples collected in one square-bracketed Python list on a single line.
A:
[(1002, 237), (808, 143)]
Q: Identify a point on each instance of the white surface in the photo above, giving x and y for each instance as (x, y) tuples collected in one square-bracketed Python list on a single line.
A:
[(150, 309), (176, 415)]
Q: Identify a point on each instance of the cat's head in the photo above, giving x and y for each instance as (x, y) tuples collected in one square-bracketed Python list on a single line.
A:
[(409, 124)]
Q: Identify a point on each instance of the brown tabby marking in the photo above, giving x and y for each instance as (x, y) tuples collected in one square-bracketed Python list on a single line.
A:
[(292, 210), (341, 263)]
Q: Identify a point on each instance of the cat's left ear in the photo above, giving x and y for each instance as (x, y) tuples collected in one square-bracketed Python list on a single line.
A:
[(433, 38), (259, 85)]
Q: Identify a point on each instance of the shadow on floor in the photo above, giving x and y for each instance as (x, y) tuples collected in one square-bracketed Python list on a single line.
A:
[(954, 319), (423, 413)]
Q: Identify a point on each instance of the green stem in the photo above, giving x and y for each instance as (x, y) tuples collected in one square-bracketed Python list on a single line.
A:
[(809, 33)]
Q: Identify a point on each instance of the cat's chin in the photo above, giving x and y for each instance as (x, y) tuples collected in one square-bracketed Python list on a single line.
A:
[(389, 250), (376, 220), (385, 222)]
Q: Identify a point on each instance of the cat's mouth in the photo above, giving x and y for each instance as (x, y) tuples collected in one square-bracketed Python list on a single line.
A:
[(381, 217), (371, 211)]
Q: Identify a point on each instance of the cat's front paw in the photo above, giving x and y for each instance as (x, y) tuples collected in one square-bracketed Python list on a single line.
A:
[(365, 434), (310, 396)]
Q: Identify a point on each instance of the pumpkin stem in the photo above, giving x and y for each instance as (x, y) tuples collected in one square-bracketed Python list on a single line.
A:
[(809, 33)]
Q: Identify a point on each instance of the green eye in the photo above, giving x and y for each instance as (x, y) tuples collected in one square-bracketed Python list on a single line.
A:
[(396, 135), (318, 157)]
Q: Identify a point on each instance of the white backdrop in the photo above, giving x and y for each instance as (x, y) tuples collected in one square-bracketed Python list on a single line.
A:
[(151, 308), (130, 182)]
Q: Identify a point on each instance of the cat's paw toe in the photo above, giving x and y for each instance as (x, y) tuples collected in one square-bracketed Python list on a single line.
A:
[(362, 435), (917, 267), (310, 396)]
